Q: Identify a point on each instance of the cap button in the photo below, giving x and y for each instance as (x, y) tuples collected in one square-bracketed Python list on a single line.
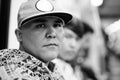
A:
[(44, 5)]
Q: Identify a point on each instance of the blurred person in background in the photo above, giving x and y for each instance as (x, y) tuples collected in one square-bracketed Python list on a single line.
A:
[(75, 51), (71, 45), (95, 50), (84, 52), (112, 33), (84, 55)]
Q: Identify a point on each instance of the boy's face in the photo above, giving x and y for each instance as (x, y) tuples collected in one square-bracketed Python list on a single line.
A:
[(42, 37)]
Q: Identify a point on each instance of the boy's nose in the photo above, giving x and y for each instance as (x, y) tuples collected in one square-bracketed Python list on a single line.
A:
[(51, 33)]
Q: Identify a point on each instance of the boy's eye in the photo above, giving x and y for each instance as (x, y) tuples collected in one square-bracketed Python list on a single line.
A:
[(57, 25), (40, 26)]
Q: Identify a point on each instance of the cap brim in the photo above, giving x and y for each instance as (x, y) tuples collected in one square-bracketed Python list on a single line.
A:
[(64, 16)]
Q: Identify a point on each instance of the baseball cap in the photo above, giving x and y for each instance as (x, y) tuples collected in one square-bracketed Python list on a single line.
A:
[(33, 9)]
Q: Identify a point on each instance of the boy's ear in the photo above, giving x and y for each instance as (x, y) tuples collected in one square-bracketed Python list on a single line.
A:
[(18, 35)]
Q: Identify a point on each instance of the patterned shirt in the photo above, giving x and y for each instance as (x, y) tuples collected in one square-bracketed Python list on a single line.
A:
[(19, 65)]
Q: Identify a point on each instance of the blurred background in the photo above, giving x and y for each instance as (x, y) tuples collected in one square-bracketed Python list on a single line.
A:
[(97, 13)]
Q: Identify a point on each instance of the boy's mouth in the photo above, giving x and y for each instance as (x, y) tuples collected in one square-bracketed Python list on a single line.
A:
[(51, 44)]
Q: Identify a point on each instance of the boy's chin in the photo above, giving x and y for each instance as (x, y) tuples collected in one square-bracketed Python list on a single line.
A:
[(51, 55)]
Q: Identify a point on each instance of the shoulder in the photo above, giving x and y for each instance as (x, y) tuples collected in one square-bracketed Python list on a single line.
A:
[(9, 55), (4, 52)]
